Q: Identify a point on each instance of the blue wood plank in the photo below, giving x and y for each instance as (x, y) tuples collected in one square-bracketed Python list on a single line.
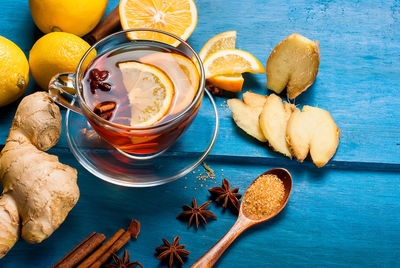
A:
[(344, 215), (357, 80), (329, 220)]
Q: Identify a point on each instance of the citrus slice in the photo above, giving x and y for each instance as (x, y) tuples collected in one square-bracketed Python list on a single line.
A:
[(182, 72), (220, 41), (231, 62), (233, 83), (178, 17), (150, 92)]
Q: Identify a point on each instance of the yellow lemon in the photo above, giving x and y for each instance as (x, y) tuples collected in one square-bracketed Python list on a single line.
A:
[(14, 74), (73, 16), (57, 52), (178, 17)]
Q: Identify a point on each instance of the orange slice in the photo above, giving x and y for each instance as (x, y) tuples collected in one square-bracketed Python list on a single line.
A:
[(150, 92), (178, 17), (231, 62)]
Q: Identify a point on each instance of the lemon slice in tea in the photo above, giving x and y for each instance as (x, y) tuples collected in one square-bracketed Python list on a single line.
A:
[(150, 92), (183, 73)]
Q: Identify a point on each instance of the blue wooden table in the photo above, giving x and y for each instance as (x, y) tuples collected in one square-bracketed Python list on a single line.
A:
[(345, 214)]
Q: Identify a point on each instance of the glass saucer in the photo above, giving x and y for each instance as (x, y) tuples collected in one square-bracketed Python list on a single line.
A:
[(107, 163)]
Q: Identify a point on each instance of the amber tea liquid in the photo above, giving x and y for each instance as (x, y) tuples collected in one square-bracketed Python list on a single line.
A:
[(130, 98)]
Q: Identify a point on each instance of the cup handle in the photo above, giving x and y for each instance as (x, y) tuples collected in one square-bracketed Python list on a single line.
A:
[(63, 92)]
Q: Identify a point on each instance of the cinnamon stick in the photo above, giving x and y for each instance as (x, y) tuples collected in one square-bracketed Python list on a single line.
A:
[(125, 237), (83, 249), (132, 232), (101, 250), (110, 24), (112, 245)]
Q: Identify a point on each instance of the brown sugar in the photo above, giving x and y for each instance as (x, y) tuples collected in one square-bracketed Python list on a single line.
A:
[(263, 197)]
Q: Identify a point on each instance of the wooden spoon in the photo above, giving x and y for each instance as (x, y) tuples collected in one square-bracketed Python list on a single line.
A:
[(243, 223)]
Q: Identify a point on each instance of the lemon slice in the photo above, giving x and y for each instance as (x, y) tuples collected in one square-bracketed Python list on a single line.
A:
[(150, 92), (231, 62), (178, 17), (182, 72), (233, 83), (220, 41)]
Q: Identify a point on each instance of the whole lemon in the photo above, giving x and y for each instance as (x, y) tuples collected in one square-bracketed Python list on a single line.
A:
[(14, 71), (73, 16), (55, 53)]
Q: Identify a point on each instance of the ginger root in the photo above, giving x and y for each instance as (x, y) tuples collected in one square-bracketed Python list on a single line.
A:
[(38, 190)]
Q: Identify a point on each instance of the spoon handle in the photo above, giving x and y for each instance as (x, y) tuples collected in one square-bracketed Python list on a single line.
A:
[(213, 254)]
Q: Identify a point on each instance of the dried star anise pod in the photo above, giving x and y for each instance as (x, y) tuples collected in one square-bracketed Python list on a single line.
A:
[(171, 252), (196, 213), (123, 262), (225, 195)]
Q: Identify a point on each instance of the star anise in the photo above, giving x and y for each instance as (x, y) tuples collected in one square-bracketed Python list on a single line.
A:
[(123, 262), (225, 195), (172, 252), (196, 212)]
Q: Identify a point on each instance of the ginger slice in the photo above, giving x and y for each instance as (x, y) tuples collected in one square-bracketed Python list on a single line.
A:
[(293, 64), (312, 130), (246, 114), (254, 99), (273, 121)]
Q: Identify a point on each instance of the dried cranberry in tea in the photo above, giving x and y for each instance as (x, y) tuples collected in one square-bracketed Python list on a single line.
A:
[(97, 78), (98, 75), (103, 86)]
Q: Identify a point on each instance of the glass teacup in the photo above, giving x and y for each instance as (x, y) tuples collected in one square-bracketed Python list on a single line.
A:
[(105, 91)]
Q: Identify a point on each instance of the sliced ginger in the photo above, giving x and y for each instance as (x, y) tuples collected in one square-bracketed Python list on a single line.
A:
[(288, 130), (293, 64), (312, 130), (246, 114), (273, 121), (254, 99)]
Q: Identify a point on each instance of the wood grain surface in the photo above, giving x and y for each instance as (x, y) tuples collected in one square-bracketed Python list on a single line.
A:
[(345, 214)]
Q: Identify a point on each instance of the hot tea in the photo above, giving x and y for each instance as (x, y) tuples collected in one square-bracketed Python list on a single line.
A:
[(140, 86)]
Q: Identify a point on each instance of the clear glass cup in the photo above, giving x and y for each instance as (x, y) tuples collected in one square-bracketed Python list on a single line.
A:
[(134, 142)]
